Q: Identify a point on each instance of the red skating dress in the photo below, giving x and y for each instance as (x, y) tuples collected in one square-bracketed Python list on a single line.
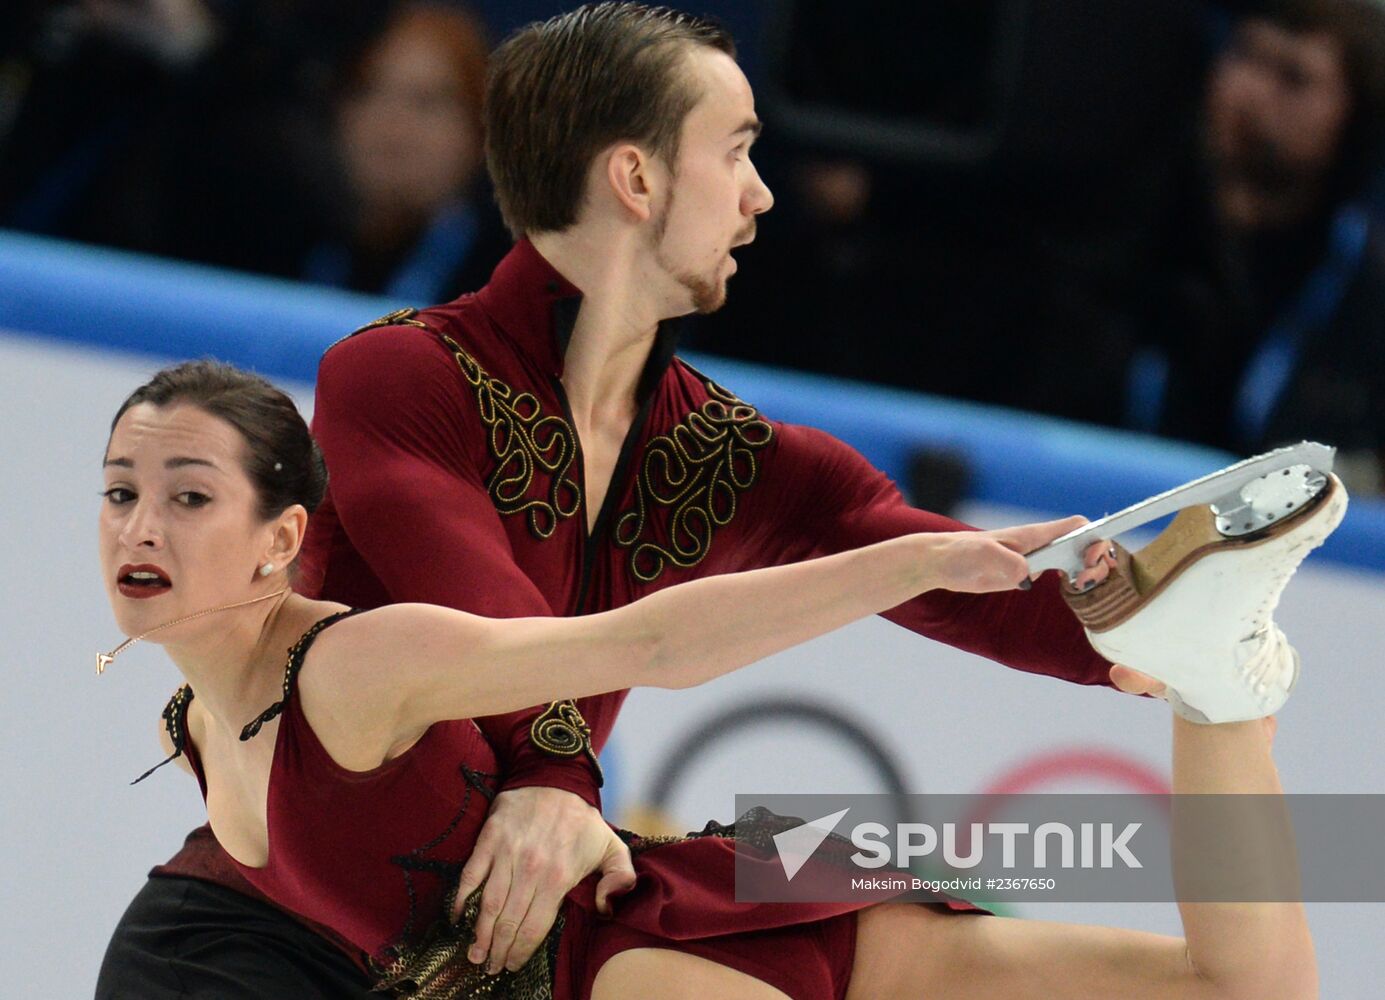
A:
[(372, 855)]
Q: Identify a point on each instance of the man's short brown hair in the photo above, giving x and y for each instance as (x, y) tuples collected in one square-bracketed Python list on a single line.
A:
[(562, 90)]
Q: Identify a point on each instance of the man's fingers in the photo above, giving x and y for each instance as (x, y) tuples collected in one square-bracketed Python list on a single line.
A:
[(543, 911), (478, 866), (1133, 682), (493, 900), (617, 879), (507, 924), (617, 874)]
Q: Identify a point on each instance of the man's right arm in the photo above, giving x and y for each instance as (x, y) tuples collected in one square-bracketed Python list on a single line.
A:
[(393, 420)]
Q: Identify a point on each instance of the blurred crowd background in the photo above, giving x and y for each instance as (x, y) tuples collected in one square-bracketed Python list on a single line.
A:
[(1163, 215)]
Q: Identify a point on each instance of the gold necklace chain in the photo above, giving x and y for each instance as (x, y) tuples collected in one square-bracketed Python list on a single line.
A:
[(103, 660)]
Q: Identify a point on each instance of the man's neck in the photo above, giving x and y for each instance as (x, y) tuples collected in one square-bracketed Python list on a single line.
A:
[(615, 327)]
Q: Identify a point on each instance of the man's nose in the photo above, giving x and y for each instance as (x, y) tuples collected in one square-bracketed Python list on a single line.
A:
[(758, 197)]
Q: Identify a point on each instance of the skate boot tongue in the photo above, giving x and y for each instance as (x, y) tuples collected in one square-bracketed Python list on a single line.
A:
[(1195, 607)]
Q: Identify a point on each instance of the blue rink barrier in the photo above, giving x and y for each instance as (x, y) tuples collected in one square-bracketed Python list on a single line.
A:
[(125, 302)]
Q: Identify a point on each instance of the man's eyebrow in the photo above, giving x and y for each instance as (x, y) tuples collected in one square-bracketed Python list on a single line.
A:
[(124, 463), (752, 125)]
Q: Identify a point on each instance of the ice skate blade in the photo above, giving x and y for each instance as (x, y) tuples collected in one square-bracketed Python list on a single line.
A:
[(1140, 577), (1246, 498)]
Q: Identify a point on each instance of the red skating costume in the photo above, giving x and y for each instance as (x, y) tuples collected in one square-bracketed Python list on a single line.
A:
[(456, 479)]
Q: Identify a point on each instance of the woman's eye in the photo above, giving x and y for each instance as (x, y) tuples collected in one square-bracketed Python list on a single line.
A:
[(118, 495), (191, 498)]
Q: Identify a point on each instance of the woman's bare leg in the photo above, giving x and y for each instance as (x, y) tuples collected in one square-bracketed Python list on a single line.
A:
[(1233, 951), (663, 974)]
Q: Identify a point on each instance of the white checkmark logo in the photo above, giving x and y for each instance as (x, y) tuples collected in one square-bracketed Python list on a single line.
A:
[(796, 846)]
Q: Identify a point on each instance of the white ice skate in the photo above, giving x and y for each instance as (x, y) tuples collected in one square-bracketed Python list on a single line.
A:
[(1194, 608)]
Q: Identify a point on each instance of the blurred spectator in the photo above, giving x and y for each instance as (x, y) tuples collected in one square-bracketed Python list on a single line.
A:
[(1270, 325), (79, 80), (420, 222), (193, 128)]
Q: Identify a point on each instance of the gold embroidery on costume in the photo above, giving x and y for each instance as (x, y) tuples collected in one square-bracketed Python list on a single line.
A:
[(563, 732), (400, 317), (523, 442), (437, 968), (699, 469)]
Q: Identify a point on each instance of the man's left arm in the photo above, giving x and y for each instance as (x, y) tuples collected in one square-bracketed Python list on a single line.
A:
[(833, 500)]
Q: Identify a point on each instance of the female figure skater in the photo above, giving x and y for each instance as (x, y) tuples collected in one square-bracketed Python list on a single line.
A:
[(348, 784)]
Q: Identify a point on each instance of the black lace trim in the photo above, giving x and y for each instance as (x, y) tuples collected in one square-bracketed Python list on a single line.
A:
[(296, 653), (754, 830), (175, 716), (449, 871)]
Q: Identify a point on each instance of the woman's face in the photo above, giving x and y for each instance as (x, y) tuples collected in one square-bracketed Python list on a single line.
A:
[(179, 530), (408, 136)]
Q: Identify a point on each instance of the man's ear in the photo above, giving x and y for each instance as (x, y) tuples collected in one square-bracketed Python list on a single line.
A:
[(630, 174)]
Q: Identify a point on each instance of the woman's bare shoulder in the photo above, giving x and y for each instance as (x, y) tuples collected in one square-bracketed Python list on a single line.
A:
[(392, 641)]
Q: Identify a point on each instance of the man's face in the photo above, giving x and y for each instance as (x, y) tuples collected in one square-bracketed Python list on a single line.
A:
[(715, 192), (1278, 105)]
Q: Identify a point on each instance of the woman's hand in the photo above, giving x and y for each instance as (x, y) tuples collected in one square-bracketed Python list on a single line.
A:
[(981, 562)]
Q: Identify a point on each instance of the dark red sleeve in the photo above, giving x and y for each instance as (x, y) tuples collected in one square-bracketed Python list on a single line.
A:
[(392, 422), (840, 501)]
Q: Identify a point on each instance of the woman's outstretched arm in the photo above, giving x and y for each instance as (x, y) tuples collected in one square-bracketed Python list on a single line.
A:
[(449, 665)]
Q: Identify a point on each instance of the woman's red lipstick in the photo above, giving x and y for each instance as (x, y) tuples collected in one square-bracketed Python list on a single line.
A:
[(143, 580)]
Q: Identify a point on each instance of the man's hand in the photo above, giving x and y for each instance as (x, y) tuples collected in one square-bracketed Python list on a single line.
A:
[(1133, 682), (536, 844)]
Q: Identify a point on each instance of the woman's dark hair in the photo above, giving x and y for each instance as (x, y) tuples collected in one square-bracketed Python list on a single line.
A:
[(281, 457)]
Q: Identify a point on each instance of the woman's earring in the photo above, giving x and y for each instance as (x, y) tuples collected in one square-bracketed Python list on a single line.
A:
[(266, 569)]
